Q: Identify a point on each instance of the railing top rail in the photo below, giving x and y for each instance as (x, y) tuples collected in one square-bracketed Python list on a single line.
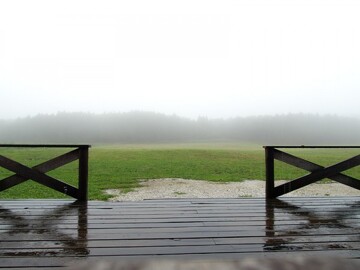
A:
[(47, 145), (311, 146)]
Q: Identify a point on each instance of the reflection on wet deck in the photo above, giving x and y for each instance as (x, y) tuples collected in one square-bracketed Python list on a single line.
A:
[(46, 233)]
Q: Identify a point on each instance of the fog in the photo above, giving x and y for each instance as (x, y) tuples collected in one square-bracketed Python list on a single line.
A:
[(150, 127), (221, 59)]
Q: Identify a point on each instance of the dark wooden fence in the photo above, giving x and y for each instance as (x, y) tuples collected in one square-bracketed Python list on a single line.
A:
[(317, 172), (38, 172)]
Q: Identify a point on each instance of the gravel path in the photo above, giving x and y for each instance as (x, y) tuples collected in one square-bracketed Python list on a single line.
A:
[(187, 188)]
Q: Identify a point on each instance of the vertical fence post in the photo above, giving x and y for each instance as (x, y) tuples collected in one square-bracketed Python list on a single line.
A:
[(270, 178), (83, 173)]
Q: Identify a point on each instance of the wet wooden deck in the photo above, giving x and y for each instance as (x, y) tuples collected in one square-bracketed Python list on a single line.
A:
[(53, 233)]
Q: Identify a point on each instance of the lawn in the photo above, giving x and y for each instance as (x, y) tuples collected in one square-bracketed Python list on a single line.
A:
[(122, 166)]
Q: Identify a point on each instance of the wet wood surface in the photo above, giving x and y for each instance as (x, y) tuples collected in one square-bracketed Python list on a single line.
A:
[(56, 233)]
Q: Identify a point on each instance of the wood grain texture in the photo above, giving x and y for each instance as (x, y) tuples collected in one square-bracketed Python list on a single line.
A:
[(55, 233)]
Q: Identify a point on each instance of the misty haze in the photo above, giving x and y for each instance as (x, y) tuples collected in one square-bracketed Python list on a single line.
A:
[(150, 127)]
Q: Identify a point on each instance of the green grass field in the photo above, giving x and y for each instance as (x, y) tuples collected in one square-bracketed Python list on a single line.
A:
[(121, 167)]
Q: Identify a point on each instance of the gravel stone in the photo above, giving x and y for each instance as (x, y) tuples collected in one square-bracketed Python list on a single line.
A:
[(188, 188)]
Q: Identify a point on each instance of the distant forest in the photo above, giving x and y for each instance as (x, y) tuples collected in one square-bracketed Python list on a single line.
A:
[(149, 127)]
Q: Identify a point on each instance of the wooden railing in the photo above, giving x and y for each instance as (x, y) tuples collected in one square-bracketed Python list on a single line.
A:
[(38, 172), (317, 172)]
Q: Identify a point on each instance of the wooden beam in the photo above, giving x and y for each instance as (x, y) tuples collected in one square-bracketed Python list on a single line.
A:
[(270, 178), (83, 174), (46, 145)]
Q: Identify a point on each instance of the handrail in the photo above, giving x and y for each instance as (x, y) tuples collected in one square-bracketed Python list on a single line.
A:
[(47, 145)]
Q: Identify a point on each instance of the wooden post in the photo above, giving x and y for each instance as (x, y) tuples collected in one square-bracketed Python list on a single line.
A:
[(270, 178), (83, 173)]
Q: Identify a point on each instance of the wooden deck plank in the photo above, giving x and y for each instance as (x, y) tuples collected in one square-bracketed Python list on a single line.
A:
[(118, 224), (51, 233), (323, 228), (190, 210), (177, 237), (48, 244), (173, 250), (50, 262)]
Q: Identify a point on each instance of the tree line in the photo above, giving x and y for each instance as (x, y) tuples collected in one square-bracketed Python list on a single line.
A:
[(150, 127)]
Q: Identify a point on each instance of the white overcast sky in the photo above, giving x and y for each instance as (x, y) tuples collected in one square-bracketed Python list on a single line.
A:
[(215, 58)]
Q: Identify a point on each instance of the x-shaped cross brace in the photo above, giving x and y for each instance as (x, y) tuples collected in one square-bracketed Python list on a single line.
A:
[(317, 172), (37, 173)]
